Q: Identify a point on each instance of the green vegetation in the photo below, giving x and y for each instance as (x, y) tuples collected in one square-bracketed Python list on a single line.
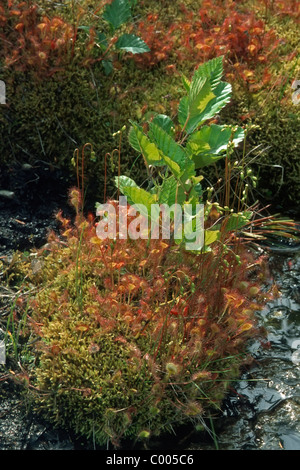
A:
[(60, 97), (130, 338)]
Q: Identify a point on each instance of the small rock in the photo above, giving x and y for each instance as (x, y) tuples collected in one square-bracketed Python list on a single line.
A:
[(7, 194)]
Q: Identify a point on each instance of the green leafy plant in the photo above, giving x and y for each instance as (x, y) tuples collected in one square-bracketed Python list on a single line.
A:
[(116, 14), (179, 150)]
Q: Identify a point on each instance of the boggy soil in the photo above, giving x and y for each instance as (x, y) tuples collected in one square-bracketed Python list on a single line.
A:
[(30, 196)]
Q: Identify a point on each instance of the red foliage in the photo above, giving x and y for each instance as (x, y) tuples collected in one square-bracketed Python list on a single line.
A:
[(160, 41), (215, 30), (30, 41), (149, 289)]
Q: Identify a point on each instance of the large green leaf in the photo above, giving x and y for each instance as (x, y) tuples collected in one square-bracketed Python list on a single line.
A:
[(123, 182), (193, 106), (209, 144), (140, 196), (132, 43), (211, 236), (143, 201), (191, 113), (200, 95), (173, 166), (141, 143), (173, 153), (207, 95), (167, 145), (186, 83), (165, 122), (171, 192), (183, 111), (213, 69), (135, 194), (117, 13), (223, 96)]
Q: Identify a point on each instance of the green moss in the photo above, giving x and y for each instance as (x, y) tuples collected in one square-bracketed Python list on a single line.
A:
[(112, 359), (49, 119)]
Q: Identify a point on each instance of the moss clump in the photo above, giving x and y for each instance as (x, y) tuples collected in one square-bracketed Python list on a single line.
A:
[(134, 338)]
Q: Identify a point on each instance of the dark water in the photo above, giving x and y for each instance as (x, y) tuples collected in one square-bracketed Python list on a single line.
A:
[(263, 411)]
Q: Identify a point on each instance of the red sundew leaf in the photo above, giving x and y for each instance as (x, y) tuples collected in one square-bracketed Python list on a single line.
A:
[(252, 49), (121, 339), (55, 349), (202, 375), (19, 27), (131, 287), (118, 265), (174, 311), (245, 327), (82, 328)]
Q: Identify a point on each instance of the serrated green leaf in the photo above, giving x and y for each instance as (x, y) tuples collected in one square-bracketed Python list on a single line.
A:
[(146, 202), (171, 192), (207, 95), (210, 236), (107, 66), (222, 96), (132, 43), (183, 111), (101, 40), (173, 166), (209, 144), (135, 194), (140, 196), (141, 143), (199, 96), (186, 83), (167, 145), (213, 69), (165, 122), (173, 154), (117, 13), (124, 182)]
